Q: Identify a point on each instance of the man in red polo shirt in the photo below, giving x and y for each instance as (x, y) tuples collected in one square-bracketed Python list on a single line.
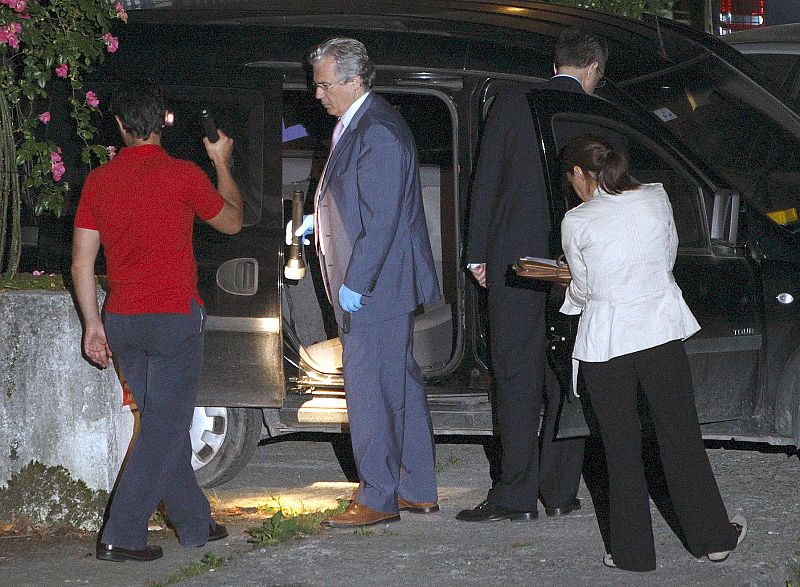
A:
[(140, 207)]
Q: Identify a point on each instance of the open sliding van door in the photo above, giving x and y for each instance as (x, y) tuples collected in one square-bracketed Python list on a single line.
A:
[(205, 67), (238, 275)]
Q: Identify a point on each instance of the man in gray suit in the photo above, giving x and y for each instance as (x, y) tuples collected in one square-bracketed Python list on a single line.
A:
[(377, 267)]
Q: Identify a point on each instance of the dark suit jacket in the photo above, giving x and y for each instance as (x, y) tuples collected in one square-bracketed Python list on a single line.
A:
[(371, 217), (509, 215)]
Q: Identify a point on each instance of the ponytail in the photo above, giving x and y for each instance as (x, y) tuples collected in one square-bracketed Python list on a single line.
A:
[(597, 158)]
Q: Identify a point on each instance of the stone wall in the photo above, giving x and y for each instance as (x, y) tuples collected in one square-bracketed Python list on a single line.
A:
[(55, 407)]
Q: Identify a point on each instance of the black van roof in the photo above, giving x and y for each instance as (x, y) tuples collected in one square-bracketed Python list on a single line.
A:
[(463, 34)]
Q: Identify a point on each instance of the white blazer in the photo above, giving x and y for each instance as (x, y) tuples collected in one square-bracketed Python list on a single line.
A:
[(621, 250)]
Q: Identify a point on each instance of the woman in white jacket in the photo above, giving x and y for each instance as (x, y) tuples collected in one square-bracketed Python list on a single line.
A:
[(620, 244)]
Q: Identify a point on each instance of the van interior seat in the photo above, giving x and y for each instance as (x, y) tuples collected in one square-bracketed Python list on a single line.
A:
[(433, 324)]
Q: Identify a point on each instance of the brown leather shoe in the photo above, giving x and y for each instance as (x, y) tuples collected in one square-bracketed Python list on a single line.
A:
[(358, 515), (423, 507)]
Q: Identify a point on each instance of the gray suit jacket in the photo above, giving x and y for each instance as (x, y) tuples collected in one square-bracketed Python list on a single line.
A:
[(371, 218)]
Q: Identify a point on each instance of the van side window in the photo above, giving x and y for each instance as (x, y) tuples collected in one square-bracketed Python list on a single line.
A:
[(648, 164)]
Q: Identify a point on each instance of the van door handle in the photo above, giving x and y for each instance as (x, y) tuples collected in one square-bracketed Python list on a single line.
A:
[(238, 276)]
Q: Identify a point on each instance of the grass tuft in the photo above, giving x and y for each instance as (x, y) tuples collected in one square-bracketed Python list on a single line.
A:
[(281, 527), (209, 562)]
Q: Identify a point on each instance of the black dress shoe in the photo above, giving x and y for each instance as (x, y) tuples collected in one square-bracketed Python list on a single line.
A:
[(109, 552), (486, 511), (568, 509), (217, 532)]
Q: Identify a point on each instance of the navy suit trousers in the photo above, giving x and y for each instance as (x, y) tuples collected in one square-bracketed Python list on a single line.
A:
[(161, 356), (390, 424)]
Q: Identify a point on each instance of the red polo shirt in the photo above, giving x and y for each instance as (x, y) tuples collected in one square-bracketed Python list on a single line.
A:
[(143, 203)]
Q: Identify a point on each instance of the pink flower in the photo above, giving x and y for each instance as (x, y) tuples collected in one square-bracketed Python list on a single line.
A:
[(44, 117), (62, 70), (55, 156), (37, 273), (58, 169), (8, 34), (92, 99), (121, 14), (19, 5), (112, 42), (112, 150)]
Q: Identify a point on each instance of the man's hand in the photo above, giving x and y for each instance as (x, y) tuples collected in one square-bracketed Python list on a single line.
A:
[(95, 344), (349, 300), (305, 229), (221, 151), (478, 271)]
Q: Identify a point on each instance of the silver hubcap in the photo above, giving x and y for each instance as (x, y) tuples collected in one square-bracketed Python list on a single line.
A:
[(209, 427)]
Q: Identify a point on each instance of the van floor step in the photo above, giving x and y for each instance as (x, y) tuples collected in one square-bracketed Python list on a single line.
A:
[(451, 414)]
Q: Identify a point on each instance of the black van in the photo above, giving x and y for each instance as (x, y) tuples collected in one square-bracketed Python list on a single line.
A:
[(675, 98)]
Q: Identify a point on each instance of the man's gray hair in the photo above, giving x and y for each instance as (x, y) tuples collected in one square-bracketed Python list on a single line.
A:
[(350, 57)]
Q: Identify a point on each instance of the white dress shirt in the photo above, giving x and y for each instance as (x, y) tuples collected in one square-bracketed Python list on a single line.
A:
[(621, 249)]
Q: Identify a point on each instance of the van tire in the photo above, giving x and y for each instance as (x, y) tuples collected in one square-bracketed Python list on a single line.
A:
[(343, 449), (223, 441)]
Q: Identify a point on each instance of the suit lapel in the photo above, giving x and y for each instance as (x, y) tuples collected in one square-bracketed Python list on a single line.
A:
[(347, 136)]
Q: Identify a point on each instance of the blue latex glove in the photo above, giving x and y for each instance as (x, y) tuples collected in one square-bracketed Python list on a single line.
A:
[(349, 300), (305, 229)]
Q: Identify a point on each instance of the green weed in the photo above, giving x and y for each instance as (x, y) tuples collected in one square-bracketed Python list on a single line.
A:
[(209, 562), (281, 528), (442, 464)]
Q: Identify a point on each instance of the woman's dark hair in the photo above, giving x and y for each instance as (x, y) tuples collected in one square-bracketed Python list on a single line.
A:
[(606, 165), (140, 106)]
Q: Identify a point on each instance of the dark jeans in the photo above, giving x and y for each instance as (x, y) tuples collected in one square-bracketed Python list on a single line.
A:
[(664, 375), (161, 356)]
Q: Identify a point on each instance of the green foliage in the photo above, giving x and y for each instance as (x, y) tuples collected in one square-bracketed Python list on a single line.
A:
[(51, 497), (629, 8), (43, 42)]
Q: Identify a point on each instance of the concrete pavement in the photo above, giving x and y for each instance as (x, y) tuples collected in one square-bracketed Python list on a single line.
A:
[(435, 549)]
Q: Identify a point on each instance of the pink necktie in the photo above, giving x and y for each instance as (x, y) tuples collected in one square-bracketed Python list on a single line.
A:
[(337, 132), (318, 222)]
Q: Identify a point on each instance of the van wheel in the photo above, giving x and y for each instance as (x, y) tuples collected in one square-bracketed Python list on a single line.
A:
[(223, 440), (344, 454)]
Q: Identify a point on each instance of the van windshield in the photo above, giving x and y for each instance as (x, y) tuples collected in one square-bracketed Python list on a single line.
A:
[(738, 128)]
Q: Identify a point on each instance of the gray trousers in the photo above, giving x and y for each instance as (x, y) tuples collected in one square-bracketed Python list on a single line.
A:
[(161, 357)]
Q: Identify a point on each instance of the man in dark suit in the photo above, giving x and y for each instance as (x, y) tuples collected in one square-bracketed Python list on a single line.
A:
[(510, 218), (377, 267)]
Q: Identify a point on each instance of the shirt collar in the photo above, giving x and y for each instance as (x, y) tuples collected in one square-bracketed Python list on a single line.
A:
[(140, 150), (350, 112), (567, 75)]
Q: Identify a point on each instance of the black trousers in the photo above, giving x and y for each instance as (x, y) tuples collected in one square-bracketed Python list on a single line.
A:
[(161, 356), (518, 339), (664, 375)]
